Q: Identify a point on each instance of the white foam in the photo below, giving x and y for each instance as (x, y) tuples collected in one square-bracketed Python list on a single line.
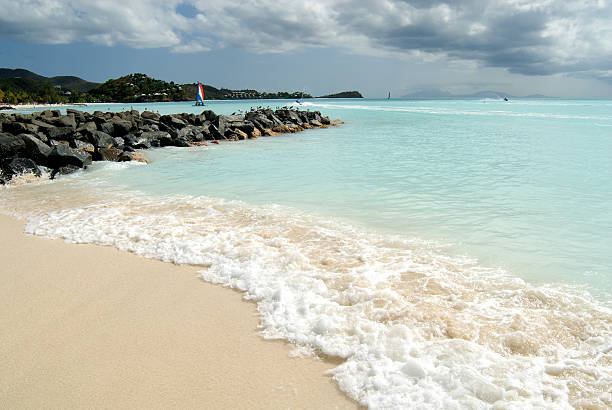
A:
[(416, 328)]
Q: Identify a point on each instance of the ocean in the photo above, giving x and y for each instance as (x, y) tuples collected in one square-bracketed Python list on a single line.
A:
[(454, 253)]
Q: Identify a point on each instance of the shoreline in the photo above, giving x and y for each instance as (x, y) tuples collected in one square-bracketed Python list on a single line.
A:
[(91, 326)]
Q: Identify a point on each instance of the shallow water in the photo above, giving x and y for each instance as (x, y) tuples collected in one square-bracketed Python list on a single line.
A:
[(448, 250)]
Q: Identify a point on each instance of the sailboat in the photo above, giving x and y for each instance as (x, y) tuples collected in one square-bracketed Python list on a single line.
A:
[(200, 95)]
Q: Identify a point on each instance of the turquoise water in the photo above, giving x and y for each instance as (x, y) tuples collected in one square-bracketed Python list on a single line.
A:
[(447, 252), (522, 185)]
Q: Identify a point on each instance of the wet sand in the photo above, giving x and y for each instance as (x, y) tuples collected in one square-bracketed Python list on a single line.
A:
[(86, 326)]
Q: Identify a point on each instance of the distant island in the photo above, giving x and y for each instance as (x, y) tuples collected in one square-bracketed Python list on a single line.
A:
[(344, 94), (23, 86), (437, 94)]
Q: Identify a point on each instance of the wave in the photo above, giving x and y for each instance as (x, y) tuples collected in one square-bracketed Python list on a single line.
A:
[(415, 327)]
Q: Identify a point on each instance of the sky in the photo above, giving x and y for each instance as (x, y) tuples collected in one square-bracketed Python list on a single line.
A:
[(549, 47)]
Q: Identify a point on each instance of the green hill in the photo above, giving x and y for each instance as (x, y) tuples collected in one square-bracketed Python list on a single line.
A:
[(344, 94), (137, 88), (69, 83)]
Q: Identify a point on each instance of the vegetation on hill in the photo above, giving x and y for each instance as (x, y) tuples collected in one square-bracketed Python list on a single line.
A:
[(22, 86), (25, 90), (344, 94), (137, 88)]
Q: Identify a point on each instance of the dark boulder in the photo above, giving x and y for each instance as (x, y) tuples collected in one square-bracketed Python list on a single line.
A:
[(66, 121), (35, 148), (137, 141), (208, 115), (62, 155), (101, 139), (172, 121), (17, 128), (148, 115), (19, 166), (107, 127), (59, 133), (157, 138), (10, 145), (88, 126), (80, 116), (121, 127), (65, 170)]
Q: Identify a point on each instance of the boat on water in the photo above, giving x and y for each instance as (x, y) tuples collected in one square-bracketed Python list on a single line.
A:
[(199, 95)]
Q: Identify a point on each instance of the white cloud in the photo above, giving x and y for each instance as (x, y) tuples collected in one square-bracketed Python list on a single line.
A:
[(522, 36)]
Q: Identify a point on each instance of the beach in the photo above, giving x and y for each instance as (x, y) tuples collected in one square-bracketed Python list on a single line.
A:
[(87, 326), (425, 259)]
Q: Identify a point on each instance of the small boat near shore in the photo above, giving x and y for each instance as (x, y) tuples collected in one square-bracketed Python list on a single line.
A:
[(199, 95)]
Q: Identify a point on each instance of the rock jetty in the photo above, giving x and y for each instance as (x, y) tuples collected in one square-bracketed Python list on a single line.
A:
[(48, 140)]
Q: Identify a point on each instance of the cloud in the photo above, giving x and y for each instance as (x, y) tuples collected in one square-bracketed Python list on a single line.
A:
[(530, 37)]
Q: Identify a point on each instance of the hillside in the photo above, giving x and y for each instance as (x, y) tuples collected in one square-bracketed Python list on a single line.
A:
[(70, 83), (137, 88), (344, 94)]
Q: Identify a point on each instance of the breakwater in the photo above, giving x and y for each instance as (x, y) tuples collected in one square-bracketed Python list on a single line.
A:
[(62, 144)]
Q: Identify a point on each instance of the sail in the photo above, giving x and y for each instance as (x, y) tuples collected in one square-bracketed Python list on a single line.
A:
[(200, 95)]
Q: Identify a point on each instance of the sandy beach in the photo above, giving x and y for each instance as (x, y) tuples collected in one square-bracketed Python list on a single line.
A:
[(86, 326)]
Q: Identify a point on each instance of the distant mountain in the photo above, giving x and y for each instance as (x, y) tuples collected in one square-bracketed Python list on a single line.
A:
[(344, 94), (70, 83), (434, 94)]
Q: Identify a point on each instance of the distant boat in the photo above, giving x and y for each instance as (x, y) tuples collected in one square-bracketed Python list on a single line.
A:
[(200, 95), (505, 98)]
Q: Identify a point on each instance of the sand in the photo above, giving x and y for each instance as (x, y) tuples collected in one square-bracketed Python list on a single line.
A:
[(85, 326)]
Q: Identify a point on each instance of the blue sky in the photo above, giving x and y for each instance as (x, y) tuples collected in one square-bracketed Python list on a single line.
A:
[(521, 47)]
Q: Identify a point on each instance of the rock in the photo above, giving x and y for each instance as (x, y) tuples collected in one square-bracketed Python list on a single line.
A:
[(19, 166), (255, 134), (10, 145), (35, 148), (85, 146), (325, 121), (101, 139), (148, 115), (172, 121), (66, 121), (121, 127), (59, 133), (65, 170), (62, 155), (281, 129), (125, 156), (59, 142), (119, 143), (56, 113), (17, 128), (137, 142), (87, 128), (78, 115), (315, 123), (209, 116), (109, 154), (229, 123), (157, 138), (107, 127), (270, 133), (241, 134)]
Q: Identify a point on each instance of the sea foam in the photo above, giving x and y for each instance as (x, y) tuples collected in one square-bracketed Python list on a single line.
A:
[(415, 327)]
